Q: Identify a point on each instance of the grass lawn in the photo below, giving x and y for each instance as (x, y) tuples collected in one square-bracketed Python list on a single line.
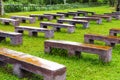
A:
[(86, 68)]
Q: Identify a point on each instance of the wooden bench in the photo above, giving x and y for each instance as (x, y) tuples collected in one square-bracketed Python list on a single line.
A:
[(41, 17), (75, 48), (98, 20), (61, 16), (7, 21), (24, 18), (15, 38), (33, 31), (109, 40), (73, 22), (25, 63), (57, 26), (108, 18), (114, 31)]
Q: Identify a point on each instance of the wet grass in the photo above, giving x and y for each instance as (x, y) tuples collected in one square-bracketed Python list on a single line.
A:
[(88, 67)]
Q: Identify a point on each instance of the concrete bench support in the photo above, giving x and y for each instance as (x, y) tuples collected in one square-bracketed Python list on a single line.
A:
[(15, 38)]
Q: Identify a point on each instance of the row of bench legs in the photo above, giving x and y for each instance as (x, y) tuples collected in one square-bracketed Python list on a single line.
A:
[(105, 57), (15, 40), (91, 41), (56, 28), (48, 34)]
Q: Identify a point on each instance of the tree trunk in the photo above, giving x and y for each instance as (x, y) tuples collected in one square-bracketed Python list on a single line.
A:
[(118, 5), (1, 8), (64, 1)]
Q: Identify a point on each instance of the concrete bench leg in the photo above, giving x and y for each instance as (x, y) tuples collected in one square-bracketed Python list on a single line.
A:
[(56, 28), (50, 18), (99, 21), (43, 26), (40, 18), (113, 34), (71, 53), (71, 29), (85, 25), (32, 33), (110, 44), (49, 34), (18, 71), (105, 57), (15, 23), (16, 40), (2, 38), (87, 40), (59, 77), (32, 20), (109, 19), (47, 49)]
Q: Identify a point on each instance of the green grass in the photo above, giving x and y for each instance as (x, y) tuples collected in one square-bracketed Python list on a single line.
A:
[(86, 68)]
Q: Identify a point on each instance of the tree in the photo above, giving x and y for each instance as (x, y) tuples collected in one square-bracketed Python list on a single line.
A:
[(118, 5), (64, 1), (1, 8)]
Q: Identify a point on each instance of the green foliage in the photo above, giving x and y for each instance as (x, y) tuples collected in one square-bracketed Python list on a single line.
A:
[(86, 68)]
